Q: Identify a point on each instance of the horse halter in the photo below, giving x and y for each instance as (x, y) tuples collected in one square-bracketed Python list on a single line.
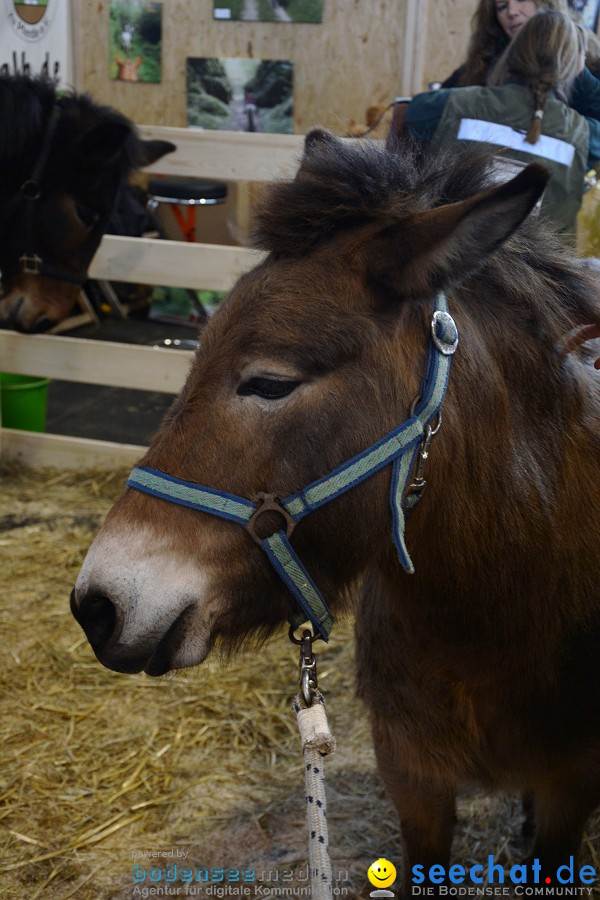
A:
[(400, 447), (31, 263)]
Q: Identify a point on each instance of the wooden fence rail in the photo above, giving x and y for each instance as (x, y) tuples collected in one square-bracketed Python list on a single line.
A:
[(230, 156), (213, 267)]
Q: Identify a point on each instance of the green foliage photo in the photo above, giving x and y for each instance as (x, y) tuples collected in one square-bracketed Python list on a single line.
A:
[(270, 11), (142, 20), (238, 94)]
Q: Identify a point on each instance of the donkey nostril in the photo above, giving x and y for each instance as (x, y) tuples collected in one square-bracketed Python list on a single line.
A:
[(42, 324), (97, 616)]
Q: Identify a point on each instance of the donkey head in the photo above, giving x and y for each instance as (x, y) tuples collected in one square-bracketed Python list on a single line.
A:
[(65, 159), (316, 354)]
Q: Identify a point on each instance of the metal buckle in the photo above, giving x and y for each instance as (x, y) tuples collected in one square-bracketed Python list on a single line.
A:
[(269, 503), (30, 263), (444, 332)]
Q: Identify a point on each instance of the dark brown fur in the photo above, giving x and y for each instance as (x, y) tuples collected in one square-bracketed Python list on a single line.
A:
[(90, 155), (485, 665)]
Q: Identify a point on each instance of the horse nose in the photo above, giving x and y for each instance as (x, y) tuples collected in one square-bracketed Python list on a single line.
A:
[(97, 616)]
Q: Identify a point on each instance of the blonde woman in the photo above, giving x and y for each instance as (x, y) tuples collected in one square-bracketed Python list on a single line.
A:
[(494, 25), (524, 113)]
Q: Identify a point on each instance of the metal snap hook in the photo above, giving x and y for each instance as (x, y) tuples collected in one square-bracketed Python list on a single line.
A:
[(308, 668), (418, 483)]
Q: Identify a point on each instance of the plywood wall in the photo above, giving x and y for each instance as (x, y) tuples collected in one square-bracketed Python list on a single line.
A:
[(447, 31), (363, 53)]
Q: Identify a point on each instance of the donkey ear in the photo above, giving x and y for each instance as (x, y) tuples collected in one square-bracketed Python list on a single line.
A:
[(432, 250), (104, 143), (317, 139), (151, 151)]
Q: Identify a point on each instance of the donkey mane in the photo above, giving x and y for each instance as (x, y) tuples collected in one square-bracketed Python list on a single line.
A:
[(342, 186)]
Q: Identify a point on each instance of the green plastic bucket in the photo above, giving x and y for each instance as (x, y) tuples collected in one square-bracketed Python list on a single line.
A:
[(23, 399)]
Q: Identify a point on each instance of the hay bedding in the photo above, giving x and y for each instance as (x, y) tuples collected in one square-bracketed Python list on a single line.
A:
[(97, 765)]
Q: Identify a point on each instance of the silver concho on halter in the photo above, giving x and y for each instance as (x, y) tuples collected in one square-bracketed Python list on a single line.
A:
[(444, 332)]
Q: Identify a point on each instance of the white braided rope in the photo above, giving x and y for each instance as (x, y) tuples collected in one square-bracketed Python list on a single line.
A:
[(317, 743)]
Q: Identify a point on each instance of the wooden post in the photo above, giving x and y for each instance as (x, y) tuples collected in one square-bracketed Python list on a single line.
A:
[(413, 61)]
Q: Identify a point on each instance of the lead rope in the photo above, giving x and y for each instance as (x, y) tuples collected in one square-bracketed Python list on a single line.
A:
[(317, 743)]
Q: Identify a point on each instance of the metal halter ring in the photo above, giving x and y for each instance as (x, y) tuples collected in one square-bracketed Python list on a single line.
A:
[(269, 503), (438, 424), (31, 190), (316, 636)]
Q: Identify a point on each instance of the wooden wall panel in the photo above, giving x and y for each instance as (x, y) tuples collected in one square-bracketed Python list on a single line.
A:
[(363, 53), (447, 33), (342, 66)]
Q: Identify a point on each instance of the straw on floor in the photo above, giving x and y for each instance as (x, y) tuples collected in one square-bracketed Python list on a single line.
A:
[(98, 768)]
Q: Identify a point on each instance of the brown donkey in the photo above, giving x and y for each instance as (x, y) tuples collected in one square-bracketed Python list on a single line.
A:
[(484, 665)]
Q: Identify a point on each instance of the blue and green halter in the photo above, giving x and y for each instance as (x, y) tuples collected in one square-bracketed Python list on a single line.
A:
[(399, 448)]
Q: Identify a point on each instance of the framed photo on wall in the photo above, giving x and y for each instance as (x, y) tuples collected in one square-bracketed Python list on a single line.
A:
[(135, 45), (269, 10), (239, 94)]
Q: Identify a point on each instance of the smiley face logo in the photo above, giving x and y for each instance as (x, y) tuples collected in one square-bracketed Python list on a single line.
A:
[(381, 873)]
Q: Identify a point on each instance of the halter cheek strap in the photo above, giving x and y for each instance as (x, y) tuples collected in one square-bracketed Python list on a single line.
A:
[(30, 263), (400, 448)]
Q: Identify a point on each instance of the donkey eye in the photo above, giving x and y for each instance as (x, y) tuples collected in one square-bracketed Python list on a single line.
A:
[(86, 214), (268, 388)]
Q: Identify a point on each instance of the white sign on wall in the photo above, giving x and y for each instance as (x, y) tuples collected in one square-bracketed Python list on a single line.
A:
[(35, 39)]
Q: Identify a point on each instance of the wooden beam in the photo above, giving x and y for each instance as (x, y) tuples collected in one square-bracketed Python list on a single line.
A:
[(94, 362), (228, 155), (213, 267), (413, 58), (40, 450)]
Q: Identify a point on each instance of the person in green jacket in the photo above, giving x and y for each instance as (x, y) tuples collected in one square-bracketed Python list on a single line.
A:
[(524, 114), (496, 22)]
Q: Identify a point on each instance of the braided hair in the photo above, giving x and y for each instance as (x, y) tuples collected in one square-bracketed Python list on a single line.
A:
[(546, 55)]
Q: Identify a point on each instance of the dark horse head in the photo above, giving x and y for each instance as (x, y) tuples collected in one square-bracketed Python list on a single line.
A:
[(63, 160)]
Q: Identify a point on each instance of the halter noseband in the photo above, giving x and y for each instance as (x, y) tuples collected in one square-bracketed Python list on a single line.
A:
[(400, 447)]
